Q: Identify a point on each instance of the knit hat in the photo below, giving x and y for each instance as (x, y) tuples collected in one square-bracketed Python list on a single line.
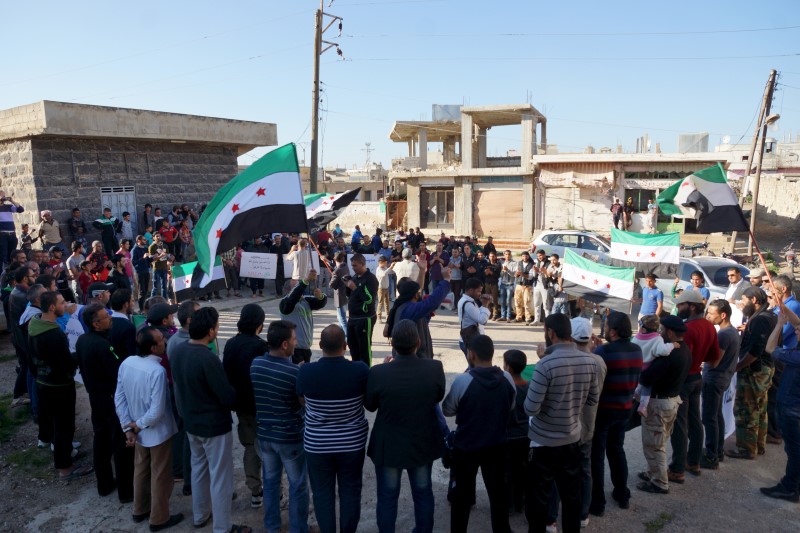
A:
[(674, 323), (407, 288)]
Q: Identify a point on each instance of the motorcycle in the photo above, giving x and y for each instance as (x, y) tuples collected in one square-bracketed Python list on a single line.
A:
[(691, 250), (790, 255)]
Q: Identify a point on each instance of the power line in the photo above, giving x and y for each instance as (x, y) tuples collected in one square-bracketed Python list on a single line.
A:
[(554, 58)]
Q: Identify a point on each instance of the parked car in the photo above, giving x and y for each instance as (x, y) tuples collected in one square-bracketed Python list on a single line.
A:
[(714, 269), (587, 243)]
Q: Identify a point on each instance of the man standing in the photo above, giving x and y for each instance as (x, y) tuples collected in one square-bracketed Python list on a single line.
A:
[(257, 284), (716, 380), (736, 286), (473, 312), (109, 226), (148, 219), (652, 216), (616, 212), (754, 373), (205, 399), (8, 232), (436, 262), (505, 288), (158, 256), (481, 399), (300, 255), (50, 231), (99, 365), (564, 381), (407, 268), (652, 298), (335, 436), (339, 279), (140, 257), (784, 295), (623, 361), (143, 408), (123, 333), (298, 309), (411, 306), (701, 338), (362, 294), (665, 376), (280, 427), (541, 296), (559, 297), (55, 382), (523, 294), (406, 434), (491, 271), (240, 351), (77, 228), (24, 277)]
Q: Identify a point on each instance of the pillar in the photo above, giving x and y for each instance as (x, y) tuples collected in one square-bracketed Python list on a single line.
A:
[(467, 148), (422, 135)]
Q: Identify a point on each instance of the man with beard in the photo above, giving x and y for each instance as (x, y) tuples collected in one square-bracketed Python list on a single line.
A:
[(754, 373), (701, 338), (541, 296)]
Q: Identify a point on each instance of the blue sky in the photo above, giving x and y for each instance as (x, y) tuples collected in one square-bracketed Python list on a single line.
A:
[(602, 72)]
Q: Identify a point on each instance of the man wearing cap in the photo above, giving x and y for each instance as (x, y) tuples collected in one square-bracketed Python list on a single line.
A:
[(99, 364), (50, 231), (754, 374), (407, 268), (701, 338), (665, 376), (8, 233), (756, 276)]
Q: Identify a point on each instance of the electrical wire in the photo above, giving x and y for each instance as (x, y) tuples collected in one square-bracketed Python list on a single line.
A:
[(567, 58)]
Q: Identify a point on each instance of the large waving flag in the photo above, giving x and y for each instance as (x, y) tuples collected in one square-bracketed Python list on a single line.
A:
[(322, 208), (706, 196), (182, 279), (605, 285), (649, 254), (266, 198)]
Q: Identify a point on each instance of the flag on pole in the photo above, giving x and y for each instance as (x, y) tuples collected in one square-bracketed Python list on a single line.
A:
[(267, 197), (323, 208), (707, 197), (182, 279), (657, 254), (605, 285)]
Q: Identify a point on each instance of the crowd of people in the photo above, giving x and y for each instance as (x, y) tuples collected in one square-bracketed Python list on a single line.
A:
[(162, 398)]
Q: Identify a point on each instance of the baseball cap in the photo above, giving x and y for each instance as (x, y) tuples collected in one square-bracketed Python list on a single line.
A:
[(757, 273), (689, 296), (98, 287), (159, 312), (673, 323), (581, 329)]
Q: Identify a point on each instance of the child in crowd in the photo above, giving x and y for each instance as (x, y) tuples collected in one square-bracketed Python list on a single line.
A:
[(517, 443), (27, 239), (382, 273), (85, 278), (148, 235), (652, 346)]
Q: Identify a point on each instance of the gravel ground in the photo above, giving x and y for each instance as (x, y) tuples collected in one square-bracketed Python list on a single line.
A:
[(725, 500)]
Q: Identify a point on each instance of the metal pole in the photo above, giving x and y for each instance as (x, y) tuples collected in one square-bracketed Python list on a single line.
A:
[(315, 102), (757, 178)]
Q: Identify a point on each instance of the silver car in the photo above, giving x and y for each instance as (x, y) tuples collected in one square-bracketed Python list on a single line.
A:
[(586, 243)]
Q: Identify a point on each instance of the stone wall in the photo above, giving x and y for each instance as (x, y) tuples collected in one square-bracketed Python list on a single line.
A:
[(779, 202), (70, 172), (368, 215)]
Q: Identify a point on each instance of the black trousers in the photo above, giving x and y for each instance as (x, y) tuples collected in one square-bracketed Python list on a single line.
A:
[(562, 465), (301, 355), (773, 427), (516, 461), (359, 337), (109, 444), (144, 284), (491, 461), (57, 421)]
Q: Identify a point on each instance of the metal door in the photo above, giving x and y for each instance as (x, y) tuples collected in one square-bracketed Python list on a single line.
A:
[(119, 200)]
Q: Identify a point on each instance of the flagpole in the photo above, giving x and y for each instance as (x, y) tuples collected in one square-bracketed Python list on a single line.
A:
[(322, 257), (760, 256)]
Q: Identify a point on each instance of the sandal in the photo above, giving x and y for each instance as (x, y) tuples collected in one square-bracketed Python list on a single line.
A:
[(78, 471)]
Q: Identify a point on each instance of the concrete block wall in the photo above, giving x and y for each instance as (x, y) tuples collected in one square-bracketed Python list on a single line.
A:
[(779, 202), (367, 215), (21, 119), (16, 177)]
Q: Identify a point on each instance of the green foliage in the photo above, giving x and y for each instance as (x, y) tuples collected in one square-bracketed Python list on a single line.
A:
[(11, 417), (657, 524)]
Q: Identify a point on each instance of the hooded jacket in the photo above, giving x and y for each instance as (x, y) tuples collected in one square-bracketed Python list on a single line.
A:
[(481, 400), (49, 352)]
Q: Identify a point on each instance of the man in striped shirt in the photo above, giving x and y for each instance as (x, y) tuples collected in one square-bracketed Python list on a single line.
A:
[(279, 414), (332, 390)]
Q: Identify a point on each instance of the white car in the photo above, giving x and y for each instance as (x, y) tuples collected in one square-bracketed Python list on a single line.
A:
[(587, 243)]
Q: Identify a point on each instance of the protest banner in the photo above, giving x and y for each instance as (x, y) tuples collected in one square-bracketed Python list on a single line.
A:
[(256, 265)]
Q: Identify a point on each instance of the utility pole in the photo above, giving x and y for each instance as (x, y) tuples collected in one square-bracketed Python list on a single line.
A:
[(318, 51), (767, 119)]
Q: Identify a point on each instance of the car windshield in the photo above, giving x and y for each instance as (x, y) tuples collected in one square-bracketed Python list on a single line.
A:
[(718, 274)]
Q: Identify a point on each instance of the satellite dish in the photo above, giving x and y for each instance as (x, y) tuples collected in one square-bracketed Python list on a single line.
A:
[(726, 139)]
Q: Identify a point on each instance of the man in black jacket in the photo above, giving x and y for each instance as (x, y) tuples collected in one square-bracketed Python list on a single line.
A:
[(362, 291), (99, 364), (665, 376), (280, 246), (17, 301), (406, 434), (339, 278), (123, 332), (236, 359), (109, 226), (55, 381)]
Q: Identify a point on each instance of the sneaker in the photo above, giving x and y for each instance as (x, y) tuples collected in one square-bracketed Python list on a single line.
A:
[(75, 445), (19, 402), (584, 523), (551, 528), (780, 493), (647, 486), (256, 500)]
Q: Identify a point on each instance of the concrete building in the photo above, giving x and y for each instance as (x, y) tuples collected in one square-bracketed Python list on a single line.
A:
[(58, 156), (461, 190)]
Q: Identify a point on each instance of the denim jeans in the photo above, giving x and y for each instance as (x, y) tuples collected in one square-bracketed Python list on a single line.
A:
[(560, 307), (506, 300), (291, 457), (159, 283), (388, 480), (326, 471), (713, 422), (609, 441), (392, 290), (790, 429), (341, 314), (688, 427)]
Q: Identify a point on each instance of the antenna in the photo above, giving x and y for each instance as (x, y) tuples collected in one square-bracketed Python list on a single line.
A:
[(369, 151)]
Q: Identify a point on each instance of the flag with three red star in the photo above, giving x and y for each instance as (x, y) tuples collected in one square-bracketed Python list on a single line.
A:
[(266, 198), (605, 285), (657, 254)]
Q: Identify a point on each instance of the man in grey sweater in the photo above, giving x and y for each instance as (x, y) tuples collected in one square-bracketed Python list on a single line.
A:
[(564, 381), (297, 308)]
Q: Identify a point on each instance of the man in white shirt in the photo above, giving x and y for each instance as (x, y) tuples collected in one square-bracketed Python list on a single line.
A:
[(143, 407), (737, 285), (407, 268), (473, 309), (301, 258)]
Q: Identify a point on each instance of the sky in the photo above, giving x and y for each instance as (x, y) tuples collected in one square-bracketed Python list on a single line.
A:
[(604, 73)]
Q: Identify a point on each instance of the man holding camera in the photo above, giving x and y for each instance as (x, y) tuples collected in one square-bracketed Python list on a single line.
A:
[(8, 233)]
